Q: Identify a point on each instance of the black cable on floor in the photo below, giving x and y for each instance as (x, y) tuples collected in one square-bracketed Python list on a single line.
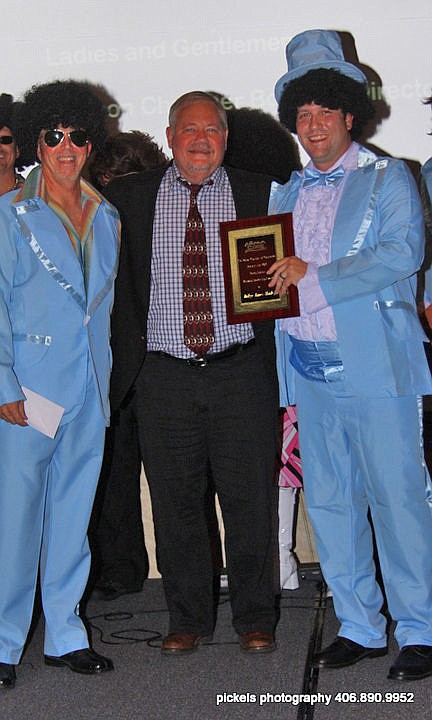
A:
[(134, 635), (311, 674)]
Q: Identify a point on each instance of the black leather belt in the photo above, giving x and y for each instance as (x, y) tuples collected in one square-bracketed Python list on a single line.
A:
[(205, 360)]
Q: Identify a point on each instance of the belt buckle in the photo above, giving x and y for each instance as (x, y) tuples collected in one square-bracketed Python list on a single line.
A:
[(198, 362)]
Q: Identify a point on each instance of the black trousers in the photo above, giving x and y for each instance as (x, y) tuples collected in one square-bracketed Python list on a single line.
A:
[(221, 417), (116, 530)]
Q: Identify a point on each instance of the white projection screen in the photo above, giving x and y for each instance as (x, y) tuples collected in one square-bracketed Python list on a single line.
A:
[(145, 54)]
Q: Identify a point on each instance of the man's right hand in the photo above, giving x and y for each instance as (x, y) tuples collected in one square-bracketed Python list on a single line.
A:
[(13, 413)]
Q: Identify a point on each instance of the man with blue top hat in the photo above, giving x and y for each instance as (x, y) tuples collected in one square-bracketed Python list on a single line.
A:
[(426, 195), (354, 361)]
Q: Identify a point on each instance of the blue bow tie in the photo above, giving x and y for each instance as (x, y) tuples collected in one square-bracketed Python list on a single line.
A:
[(331, 179)]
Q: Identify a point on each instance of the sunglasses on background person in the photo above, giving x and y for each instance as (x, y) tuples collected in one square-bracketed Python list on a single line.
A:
[(6, 139), (52, 138)]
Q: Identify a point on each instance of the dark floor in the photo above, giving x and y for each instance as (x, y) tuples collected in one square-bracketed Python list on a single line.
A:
[(218, 681)]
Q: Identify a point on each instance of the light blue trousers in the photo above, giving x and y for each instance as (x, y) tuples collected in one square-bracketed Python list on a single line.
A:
[(361, 453), (47, 489)]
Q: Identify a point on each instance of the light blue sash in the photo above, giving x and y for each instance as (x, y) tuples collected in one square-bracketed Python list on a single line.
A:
[(318, 361)]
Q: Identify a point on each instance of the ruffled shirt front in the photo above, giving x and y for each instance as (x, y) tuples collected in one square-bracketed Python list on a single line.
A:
[(313, 220)]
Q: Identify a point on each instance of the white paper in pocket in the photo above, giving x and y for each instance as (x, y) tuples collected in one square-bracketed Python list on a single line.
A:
[(42, 414)]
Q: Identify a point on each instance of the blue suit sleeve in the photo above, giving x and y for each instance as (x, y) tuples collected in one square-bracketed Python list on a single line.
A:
[(10, 389), (393, 247)]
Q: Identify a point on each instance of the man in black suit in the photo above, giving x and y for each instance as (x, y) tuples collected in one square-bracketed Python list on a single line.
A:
[(214, 406)]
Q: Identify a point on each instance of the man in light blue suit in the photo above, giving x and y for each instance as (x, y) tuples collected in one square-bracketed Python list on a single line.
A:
[(354, 360), (58, 250), (426, 195)]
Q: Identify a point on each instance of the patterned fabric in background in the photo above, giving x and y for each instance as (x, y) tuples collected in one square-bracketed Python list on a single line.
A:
[(290, 474)]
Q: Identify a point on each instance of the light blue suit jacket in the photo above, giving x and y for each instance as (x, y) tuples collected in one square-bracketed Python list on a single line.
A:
[(53, 333), (426, 172), (377, 246)]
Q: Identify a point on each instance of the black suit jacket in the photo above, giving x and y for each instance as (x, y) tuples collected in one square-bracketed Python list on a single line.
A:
[(135, 197)]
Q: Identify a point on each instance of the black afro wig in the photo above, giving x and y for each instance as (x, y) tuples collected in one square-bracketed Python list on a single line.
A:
[(331, 89), (69, 103)]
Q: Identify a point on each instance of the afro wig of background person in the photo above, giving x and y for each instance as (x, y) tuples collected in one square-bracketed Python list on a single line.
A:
[(8, 111), (259, 143), (123, 153)]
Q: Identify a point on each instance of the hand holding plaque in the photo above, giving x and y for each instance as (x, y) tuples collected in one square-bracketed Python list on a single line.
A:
[(249, 248)]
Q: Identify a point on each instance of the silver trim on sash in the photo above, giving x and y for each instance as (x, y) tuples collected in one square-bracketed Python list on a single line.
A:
[(380, 167), (28, 337), (100, 296), (381, 304), (428, 481)]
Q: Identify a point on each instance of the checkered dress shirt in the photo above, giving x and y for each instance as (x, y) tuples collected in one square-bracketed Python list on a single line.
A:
[(165, 317)]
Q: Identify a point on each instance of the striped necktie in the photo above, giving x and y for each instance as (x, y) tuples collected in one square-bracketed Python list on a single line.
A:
[(197, 309)]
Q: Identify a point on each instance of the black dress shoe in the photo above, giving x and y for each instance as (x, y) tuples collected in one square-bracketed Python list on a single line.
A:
[(413, 663), (343, 652), (85, 661), (7, 675), (111, 590)]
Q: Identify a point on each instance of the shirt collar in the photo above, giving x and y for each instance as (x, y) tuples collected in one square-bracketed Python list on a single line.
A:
[(34, 186), (219, 177), (349, 160)]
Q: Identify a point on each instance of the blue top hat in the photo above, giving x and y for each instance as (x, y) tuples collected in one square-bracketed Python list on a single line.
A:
[(313, 50)]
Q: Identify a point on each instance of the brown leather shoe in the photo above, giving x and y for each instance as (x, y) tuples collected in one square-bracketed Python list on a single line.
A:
[(257, 642), (181, 643)]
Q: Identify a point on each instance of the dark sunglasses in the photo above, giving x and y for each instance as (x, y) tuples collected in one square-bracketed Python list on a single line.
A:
[(6, 139), (55, 137)]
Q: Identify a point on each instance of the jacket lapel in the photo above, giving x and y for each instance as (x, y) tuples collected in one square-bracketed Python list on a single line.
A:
[(354, 216), (250, 192), (47, 238), (104, 255), (351, 212)]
